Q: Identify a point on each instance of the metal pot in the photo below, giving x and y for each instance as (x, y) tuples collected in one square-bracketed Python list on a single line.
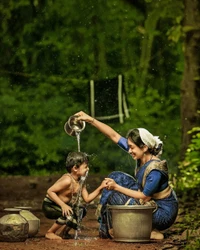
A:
[(132, 223), (74, 126)]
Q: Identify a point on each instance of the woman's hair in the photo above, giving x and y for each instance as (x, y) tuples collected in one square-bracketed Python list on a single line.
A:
[(76, 159), (135, 137)]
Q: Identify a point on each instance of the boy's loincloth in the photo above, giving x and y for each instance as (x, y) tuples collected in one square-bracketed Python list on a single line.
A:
[(52, 211)]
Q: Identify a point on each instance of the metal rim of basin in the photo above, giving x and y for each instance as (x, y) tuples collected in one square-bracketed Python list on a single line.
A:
[(127, 207)]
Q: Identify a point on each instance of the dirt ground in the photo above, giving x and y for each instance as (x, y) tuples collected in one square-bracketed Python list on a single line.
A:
[(30, 191)]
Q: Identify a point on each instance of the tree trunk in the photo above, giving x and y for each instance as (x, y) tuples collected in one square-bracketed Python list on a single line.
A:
[(190, 86)]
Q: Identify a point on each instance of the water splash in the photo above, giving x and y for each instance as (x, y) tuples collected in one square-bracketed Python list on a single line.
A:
[(79, 212), (85, 241)]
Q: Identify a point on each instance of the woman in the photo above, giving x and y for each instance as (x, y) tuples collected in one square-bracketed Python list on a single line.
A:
[(151, 185)]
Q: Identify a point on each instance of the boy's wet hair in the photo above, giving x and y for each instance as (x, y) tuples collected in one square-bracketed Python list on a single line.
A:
[(76, 159)]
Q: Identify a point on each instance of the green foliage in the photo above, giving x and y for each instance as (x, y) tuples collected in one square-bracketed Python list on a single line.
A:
[(32, 123), (192, 224), (49, 52), (193, 245), (149, 112), (190, 167), (189, 225), (152, 112)]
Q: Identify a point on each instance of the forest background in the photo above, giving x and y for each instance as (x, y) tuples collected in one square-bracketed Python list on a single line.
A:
[(50, 50)]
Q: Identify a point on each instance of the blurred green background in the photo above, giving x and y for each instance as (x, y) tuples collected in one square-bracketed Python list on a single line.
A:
[(50, 50)]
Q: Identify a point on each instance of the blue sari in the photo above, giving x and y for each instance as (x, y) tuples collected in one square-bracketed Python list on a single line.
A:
[(166, 208)]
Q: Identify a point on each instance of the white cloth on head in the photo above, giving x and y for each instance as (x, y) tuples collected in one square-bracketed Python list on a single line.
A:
[(148, 139)]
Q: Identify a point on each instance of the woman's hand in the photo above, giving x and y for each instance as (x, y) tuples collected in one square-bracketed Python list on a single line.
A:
[(84, 117), (102, 127), (66, 210), (111, 184)]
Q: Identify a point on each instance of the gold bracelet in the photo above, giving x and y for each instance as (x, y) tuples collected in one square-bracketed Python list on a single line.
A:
[(92, 120)]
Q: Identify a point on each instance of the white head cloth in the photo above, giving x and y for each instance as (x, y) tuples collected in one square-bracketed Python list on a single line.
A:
[(148, 139)]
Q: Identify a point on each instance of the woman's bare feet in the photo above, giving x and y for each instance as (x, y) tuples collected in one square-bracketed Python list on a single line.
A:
[(52, 236), (110, 231), (156, 235)]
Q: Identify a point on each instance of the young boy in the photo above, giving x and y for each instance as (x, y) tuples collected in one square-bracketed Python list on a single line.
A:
[(62, 195)]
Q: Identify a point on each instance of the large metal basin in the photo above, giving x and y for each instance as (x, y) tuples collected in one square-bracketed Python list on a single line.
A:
[(131, 223)]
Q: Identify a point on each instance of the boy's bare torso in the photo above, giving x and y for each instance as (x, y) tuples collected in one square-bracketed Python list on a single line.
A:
[(69, 189)]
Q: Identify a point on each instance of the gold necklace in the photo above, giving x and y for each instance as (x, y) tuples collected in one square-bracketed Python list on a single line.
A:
[(74, 178)]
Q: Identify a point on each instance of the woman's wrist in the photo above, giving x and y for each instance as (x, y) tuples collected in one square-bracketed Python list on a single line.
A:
[(91, 121), (116, 186)]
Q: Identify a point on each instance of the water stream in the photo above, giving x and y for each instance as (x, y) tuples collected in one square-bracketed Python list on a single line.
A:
[(78, 202), (79, 212), (78, 135)]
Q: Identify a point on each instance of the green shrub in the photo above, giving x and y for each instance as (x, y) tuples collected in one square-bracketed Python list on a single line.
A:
[(190, 166)]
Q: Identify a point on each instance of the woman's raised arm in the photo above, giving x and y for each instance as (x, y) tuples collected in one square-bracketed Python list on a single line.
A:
[(102, 127)]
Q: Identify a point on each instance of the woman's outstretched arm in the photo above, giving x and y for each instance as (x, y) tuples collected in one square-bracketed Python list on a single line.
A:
[(102, 127)]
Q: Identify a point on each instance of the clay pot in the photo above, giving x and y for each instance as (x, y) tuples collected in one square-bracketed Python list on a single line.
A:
[(13, 227), (33, 221)]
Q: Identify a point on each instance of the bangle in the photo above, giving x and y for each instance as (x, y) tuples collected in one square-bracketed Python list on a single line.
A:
[(92, 120)]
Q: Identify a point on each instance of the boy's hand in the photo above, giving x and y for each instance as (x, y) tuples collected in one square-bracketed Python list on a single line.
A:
[(104, 184), (111, 184), (66, 210)]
